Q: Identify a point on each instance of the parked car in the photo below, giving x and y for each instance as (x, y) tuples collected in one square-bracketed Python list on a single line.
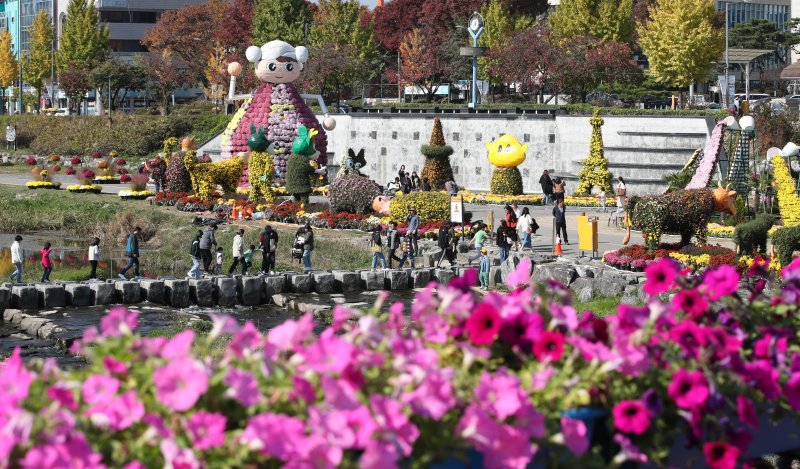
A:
[(62, 112), (605, 99)]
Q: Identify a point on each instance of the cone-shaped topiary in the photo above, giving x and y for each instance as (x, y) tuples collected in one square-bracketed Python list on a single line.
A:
[(595, 167), (353, 193), (437, 169), (506, 181)]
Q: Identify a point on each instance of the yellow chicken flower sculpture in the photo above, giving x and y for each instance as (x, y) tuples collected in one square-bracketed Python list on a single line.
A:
[(506, 153)]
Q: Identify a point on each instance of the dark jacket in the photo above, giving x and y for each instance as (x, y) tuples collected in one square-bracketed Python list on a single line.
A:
[(500, 237), (266, 236), (132, 246), (208, 239), (560, 215), (445, 237), (547, 184), (393, 239), (194, 250), (308, 242)]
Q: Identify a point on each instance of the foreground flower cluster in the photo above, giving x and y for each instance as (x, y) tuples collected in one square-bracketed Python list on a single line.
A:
[(507, 375)]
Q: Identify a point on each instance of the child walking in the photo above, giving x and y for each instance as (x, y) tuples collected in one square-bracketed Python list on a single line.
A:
[(602, 198), (219, 261), (247, 258), (46, 263), (94, 257), (408, 252), (483, 273)]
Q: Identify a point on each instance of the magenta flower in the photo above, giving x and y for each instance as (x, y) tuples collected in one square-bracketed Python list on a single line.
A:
[(511, 449), (72, 452), (207, 430), (119, 321), (15, 380), (719, 282), (435, 328), (628, 451), (690, 302), (99, 389), (792, 391), (60, 393), (689, 336), (329, 353), (243, 387), (575, 435), (123, 411), (631, 318), (465, 282), (689, 389), (550, 346), (391, 420), (483, 325), (660, 276), (746, 411), (762, 375), (499, 394), (177, 457), (721, 455), (178, 346), (223, 324), (522, 329), (180, 383), (260, 428), (521, 275), (434, 396), (290, 334), (246, 341), (114, 366), (631, 417)]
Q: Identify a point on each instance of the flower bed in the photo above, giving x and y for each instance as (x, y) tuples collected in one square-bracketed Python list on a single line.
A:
[(106, 180), (169, 198), (636, 257), (705, 168), (719, 231), (499, 199), (135, 195), (80, 188), (43, 185), (193, 204), (506, 375), (788, 200)]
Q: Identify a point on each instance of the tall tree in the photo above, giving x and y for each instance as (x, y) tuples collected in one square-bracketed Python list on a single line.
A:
[(280, 19), (84, 42), (610, 20), (531, 59), (124, 76), (74, 81), (681, 41), (499, 26), (422, 64), (395, 20), (166, 74), (764, 34), (330, 68), (36, 64), (9, 67)]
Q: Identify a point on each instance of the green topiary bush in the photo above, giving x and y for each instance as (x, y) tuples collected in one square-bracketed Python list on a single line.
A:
[(786, 241), (437, 169), (353, 194), (506, 181), (753, 235), (429, 205)]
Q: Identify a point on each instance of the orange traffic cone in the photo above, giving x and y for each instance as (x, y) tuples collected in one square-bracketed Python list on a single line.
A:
[(234, 213), (558, 251)]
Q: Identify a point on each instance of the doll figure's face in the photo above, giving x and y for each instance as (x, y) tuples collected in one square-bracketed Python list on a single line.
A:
[(280, 70)]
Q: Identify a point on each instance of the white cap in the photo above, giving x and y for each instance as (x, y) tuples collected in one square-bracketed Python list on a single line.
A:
[(274, 49)]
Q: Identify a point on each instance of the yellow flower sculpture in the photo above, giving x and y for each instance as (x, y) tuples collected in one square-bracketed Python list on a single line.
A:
[(506, 153), (206, 176), (261, 171), (788, 200)]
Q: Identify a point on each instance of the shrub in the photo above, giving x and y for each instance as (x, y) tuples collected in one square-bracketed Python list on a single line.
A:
[(429, 205), (138, 182), (683, 212), (506, 181), (30, 161), (353, 194), (437, 169), (753, 234), (125, 178), (786, 241)]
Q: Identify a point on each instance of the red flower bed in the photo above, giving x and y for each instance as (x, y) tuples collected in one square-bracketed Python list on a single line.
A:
[(30, 161), (122, 171), (70, 171), (121, 162), (75, 160), (125, 178), (285, 210), (97, 155), (636, 257), (169, 198)]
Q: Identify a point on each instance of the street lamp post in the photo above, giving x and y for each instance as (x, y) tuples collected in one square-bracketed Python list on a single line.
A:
[(475, 29)]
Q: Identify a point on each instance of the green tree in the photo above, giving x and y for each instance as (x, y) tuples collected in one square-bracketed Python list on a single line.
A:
[(9, 67), (499, 26), (124, 76), (610, 20), (37, 62), (764, 34), (83, 40), (681, 41), (280, 19)]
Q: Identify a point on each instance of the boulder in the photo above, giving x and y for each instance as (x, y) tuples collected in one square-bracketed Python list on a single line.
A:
[(176, 293), (396, 280), (495, 276), (274, 285), (610, 286), (302, 283), (419, 278), (583, 288), (372, 280), (31, 325), (127, 292), (443, 276), (51, 295), (250, 290), (565, 274), (78, 294), (429, 258), (24, 297), (152, 291), (225, 291), (345, 281), (201, 291), (324, 282), (103, 293)]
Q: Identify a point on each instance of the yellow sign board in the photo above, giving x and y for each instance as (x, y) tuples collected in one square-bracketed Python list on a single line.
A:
[(587, 233)]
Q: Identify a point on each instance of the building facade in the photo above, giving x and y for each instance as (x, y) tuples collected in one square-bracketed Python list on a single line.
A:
[(775, 11)]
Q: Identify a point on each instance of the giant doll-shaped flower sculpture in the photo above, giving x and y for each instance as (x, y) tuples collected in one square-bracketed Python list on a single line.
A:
[(276, 106), (506, 153)]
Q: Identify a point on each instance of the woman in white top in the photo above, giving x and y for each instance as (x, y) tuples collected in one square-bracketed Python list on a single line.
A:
[(622, 193), (16, 259), (94, 257), (525, 228)]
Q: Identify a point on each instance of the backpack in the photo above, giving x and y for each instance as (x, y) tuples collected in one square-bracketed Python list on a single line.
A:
[(297, 247), (444, 236), (376, 238)]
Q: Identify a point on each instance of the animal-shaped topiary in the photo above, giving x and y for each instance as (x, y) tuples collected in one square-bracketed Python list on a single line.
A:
[(352, 163), (262, 168), (685, 212), (753, 234), (299, 169), (206, 176)]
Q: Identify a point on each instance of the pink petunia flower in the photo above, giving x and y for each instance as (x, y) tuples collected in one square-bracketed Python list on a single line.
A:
[(499, 393), (223, 324), (74, 452), (628, 451), (63, 395), (631, 417), (114, 366), (119, 321), (550, 346), (329, 353), (180, 383), (719, 282), (291, 333), (177, 457), (521, 276), (15, 380), (690, 302), (483, 325), (390, 419), (689, 336), (207, 429), (721, 455), (246, 341), (660, 276), (792, 391), (243, 387), (746, 411), (575, 435), (99, 389), (521, 329), (689, 389), (434, 396), (178, 346)]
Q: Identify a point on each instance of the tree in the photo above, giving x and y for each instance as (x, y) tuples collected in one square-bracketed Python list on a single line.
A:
[(166, 74), (763, 34), (84, 42), (499, 25), (329, 68), (124, 76), (9, 67), (280, 19), (421, 63), (395, 20), (610, 20), (36, 64), (530, 58), (681, 41), (74, 81)]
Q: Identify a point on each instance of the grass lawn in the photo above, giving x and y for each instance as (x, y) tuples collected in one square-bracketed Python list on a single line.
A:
[(168, 233), (605, 306)]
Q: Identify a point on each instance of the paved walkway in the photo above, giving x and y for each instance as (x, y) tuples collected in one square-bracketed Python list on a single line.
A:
[(21, 179)]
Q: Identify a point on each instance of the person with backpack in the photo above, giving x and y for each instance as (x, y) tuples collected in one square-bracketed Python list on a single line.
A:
[(413, 228), (207, 241), (526, 228), (376, 245), (94, 257), (47, 264), (297, 244), (269, 249), (194, 253), (392, 242), (132, 251), (308, 248), (238, 250), (444, 240)]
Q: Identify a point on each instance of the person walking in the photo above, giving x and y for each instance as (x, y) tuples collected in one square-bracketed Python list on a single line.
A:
[(247, 258), (478, 239), (622, 193), (559, 185), (560, 221), (47, 264), (444, 240), (377, 249), (238, 250), (194, 254), (413, 228), (16, 259), (220, 259), (94, 257), (392, 242), (408, 252), (308, 248), (416, 184), (503, 240), (269, 249), (207, 241), (525, 229), (601, 197), (402, 172), (547, 186), (132, 251), (511, 225), (483, 271)]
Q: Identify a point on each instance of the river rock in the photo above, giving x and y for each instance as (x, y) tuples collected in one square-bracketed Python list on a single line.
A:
[(610, 286), (24, 297), (250, 290), (201, 291), (302, 283), (495, 276), (430, 258), (31, 325), (78, 294), (324, 282), (273, 285), (396, 280), (152, 291), (127, 292), (225, 291), (443, 276), (583, 288), (372, 280), (345, 281), (103, 293), (176, 292), (420, 278), (5, 299), (51, 296), (48, 329)]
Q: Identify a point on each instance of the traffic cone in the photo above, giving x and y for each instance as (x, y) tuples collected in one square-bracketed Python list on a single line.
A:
[(558, 251)]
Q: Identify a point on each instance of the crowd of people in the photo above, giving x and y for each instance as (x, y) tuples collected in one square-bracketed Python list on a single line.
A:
[(411, 182)]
